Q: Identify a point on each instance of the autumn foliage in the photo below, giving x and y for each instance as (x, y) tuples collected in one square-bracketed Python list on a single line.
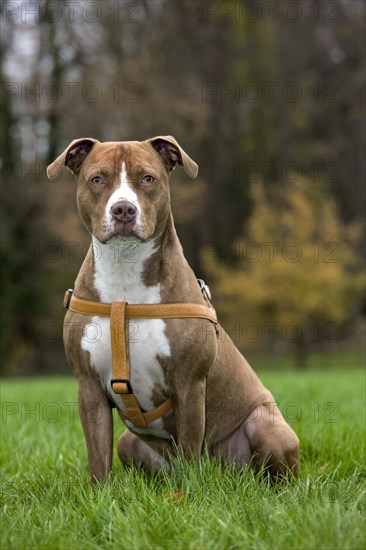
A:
[(297, 266)]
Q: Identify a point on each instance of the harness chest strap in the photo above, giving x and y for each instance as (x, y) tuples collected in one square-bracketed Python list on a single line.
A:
[(119, 312), (121, 366)]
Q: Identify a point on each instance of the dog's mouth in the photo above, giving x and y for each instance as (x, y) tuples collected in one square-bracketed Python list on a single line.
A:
[(123, 232), (123, 237)]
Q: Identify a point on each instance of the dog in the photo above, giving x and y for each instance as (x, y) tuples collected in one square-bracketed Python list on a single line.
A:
[(141, 334)]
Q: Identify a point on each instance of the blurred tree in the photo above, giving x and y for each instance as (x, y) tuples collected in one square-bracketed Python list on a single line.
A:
[(299, 266)]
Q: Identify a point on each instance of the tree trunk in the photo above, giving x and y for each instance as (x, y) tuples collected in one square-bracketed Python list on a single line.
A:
[(301, 353)]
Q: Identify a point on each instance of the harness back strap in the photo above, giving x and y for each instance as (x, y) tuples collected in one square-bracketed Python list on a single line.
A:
[(141, 311), (119, 312)]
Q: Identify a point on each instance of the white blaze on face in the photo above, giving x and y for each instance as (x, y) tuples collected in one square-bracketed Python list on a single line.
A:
[(123, 192)]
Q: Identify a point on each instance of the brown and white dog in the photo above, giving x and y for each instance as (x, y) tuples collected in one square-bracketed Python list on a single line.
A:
[(135, 256)]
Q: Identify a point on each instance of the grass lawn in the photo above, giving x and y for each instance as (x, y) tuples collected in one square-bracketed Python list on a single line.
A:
[(47, 500)]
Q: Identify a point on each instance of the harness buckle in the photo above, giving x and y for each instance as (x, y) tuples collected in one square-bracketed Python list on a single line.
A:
[(68, 299), (205, 288), (122, 381)]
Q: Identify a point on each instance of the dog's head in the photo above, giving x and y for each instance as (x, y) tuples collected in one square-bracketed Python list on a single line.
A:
[(123, 187)]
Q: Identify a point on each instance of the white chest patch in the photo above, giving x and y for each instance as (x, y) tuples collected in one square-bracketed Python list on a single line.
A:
[(118, 280)]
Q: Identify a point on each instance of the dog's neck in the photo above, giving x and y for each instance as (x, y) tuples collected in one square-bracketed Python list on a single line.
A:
[(119, 271), (153, 271), (131, 270)]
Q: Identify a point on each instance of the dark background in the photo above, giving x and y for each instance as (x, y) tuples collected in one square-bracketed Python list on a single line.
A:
[(266, 93)]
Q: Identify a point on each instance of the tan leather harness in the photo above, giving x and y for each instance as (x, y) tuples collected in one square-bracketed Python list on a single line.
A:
[(119, 312)]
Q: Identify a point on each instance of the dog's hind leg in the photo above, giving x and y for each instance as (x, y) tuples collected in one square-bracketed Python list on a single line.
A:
[(273, 442), (234, 449), (264, 439), (132, 450)]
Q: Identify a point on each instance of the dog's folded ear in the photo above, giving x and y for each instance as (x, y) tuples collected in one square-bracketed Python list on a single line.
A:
[(73, 156), (171, 153)]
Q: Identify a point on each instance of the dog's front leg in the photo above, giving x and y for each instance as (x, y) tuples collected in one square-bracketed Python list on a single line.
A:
[(96, 418), (189, 409)]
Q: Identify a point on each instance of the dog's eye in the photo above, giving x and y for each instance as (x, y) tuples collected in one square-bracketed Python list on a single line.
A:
[(148, 178), (97, 180)]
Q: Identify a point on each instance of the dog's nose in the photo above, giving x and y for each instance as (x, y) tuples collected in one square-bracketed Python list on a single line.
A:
[(123, 211)]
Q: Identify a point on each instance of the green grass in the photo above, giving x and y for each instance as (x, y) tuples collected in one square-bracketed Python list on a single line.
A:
[(48, 502), (324, 360)]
